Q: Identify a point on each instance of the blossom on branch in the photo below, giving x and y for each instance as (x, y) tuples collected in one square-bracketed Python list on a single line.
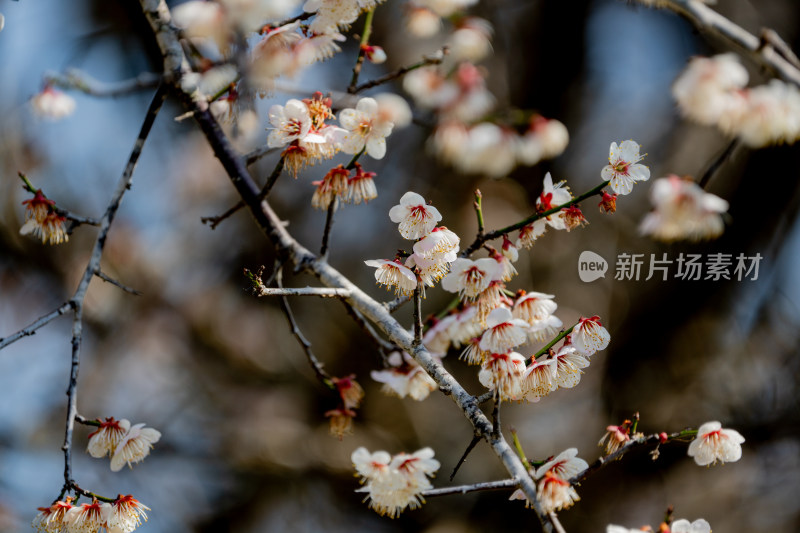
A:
[(623, 169), (470, 278), (87, 518), (125, 514), (393, 274), (683, 210), (134, 447), (52, 229), (51, 519), (53, 104), (714, 444), (364, 129), (416, 218), (589, 336), (404, 378), (503, 372), (105, 440), (503, 331), (683, 526), (396, 484), (361, 187)]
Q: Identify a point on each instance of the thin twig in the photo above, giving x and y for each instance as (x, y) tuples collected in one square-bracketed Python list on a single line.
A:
[(434, 59), (706, 20), (102, 275), (480, 239), (91, 269), (496, 415), (714, 166), (633, 443), (475, 440), (478, 206), (323, 251), (556, 524), (258, 153), (80, 81), (362, 52), (418, 314), (395, 304), (323, 292), (463, 489), (316, 365), (31, 329), (563, 333)]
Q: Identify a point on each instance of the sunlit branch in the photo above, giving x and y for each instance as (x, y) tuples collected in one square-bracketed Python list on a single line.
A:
[(480, 239), (708, 21), (464, 489), (323, 292)]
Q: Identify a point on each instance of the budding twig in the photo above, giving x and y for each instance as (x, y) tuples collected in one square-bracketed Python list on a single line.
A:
[(361, 50), (463, 489), (102, 275), (434, 59), (553, 342)]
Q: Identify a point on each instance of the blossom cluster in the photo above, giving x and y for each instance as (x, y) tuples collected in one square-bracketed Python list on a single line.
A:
[(554, 491), (712, 91), (123, 515), (683, 210), (435, 249), (394, 483), (678, 526), (43, 221), (351, 394), (123, 442)]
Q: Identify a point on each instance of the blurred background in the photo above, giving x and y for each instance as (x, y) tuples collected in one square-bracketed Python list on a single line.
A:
[(245, 445)]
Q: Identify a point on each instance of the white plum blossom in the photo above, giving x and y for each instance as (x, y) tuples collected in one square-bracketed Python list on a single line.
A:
[(621, 529), (556, 493), (393, 274), (394, 486), (421, 21), (714, 444), (51, 519), (589, 336), (332, 14), (366, 129), (472, 40), (503, 372), (569, 365), (552, 196), (544, 329), (445, 8), (540, 379), (503, 332), (393, 109), (545, 139), (624, 169), (86, 518), (53, 104), (404, 378), (470, 278), (134, 447), (566, 465), (534, 305), (708, 89), (125, 514), (437, 338), (105, 440), (770, 114), (683, 210), (683, 526), (416, 218), (291, 122)]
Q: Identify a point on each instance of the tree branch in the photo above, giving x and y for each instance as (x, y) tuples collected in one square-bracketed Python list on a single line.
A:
[(434, 59), (80, 81), (463, 489), (708, 21), (35, 325), (305, 291)]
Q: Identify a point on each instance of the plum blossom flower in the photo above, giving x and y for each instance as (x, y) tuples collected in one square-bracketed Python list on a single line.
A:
[(540, 379), (415, 217), (421, 21), (470, 278), (565, 465), (503, 372), (396, 484), (38, 207), (615, 437), (393, 274), (556, 493), (53, 104), (544, 329), (361, 186), (393, 108), (125, 514), (105, 440), (534, 305), (51, 519), (134, 447), (624, 169), (708, 89), (713, 444), (332, 14), (569, 365), (291, 122), (683, 526), (334, 184), (509, 251), (545, 139), (404, 378), (437, 338), (551, 196), (503, 332), (589, 336), (608, 203), (87, 518), (683, 210), (341, 421), (611, 528), (364, 129), (51, 229), (472, 40)]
